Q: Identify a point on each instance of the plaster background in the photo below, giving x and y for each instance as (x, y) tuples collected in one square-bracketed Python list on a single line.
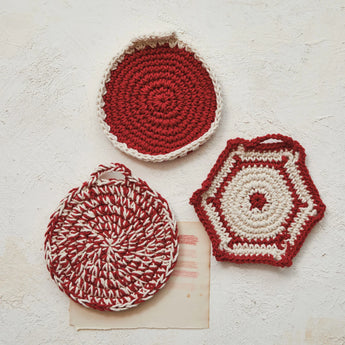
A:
[(281, 66)]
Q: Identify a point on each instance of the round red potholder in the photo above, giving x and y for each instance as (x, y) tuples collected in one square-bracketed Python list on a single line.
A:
[(158, 99), (112, 243)]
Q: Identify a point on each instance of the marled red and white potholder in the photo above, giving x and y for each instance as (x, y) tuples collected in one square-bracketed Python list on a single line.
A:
[(158, 99), (112, 243), (259, 203)]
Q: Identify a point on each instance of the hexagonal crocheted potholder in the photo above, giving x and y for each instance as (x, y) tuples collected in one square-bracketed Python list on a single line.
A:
[(112, 243), (158, 99), (259, 203)]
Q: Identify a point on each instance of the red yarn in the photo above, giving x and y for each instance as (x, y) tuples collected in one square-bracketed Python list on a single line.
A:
[(159, 99), (257, 200), (112, 243), (258, 203)]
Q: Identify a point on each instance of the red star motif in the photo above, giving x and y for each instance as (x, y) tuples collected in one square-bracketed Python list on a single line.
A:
[(257, 200)]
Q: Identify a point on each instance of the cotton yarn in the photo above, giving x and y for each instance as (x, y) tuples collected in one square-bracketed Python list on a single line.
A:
[(259, 202), (158, 99), (112, 243)]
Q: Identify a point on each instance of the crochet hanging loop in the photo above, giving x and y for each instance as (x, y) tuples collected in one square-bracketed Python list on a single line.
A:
[(106, 173), (273, 139)]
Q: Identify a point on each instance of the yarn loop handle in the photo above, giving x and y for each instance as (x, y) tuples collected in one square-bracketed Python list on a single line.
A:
[(273, 139), (113, 171)]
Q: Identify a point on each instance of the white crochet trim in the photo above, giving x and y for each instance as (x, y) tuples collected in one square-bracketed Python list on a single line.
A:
[(140, 43), (267, 224)]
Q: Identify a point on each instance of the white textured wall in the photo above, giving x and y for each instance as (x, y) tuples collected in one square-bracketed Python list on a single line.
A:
[(281, 65)]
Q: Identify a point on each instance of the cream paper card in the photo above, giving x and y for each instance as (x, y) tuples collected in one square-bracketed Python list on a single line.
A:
[(182, 303)]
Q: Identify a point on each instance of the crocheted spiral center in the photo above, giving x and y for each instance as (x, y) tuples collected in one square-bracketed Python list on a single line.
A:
[(159, 99), (112, 246), (257, 200)]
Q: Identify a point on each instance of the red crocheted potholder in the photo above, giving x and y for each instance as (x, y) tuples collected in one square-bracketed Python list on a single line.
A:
[(112, 243), (259, 203), (158, 99)]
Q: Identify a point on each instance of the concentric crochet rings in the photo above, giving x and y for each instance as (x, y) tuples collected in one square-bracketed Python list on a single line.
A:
[(259, 203), (158, 99)]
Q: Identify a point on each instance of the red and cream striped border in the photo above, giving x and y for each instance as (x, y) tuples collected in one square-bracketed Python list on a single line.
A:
[(273, 165)]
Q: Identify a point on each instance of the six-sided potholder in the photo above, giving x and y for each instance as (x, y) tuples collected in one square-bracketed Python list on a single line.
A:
[(112, 243), (259, 203), (158, 99)]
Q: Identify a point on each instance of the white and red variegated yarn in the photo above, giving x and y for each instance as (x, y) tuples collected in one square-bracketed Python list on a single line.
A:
[(258, 203), (112, 243)]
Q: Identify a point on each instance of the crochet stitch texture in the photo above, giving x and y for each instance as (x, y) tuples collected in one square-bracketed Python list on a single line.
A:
[(258, 202), (158, 99), (112, 243)]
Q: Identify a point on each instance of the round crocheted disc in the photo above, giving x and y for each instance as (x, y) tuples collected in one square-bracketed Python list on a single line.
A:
[(112, 243), (158, 99)]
